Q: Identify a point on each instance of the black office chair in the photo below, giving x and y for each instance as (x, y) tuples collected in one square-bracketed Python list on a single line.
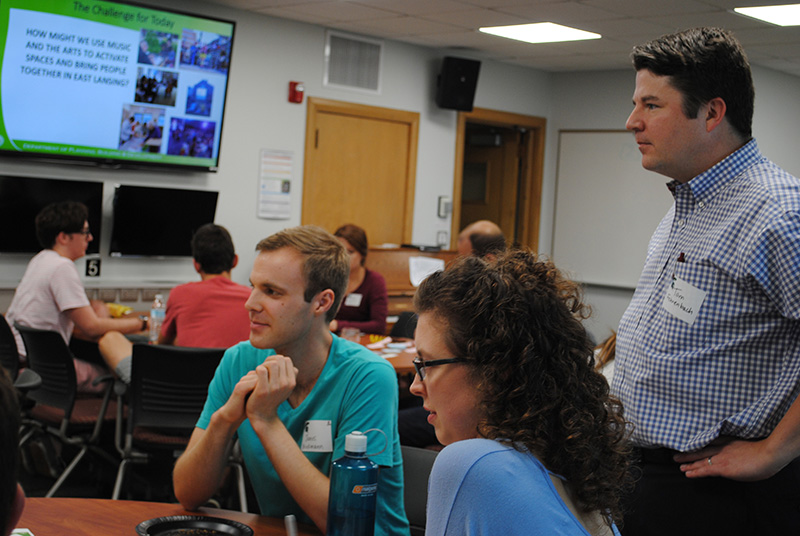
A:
[(59, 412), (405, 326), (25, 379), (417, 465), (168, 389), (9, 356)]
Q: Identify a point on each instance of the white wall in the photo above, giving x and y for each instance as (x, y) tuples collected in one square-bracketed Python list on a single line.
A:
[(601, 101), (268, 53)]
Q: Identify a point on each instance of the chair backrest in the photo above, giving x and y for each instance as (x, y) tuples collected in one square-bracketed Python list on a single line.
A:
[(9, 354), (49, 356), (405, 325), (417, 464), (169, 385)]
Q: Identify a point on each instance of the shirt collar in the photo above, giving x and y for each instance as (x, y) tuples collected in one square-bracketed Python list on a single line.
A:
[(706, 185)]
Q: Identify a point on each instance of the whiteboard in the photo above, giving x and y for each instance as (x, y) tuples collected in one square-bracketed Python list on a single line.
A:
[(607, 207)]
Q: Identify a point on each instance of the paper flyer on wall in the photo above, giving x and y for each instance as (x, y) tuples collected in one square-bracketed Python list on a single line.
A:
[(274, 184)]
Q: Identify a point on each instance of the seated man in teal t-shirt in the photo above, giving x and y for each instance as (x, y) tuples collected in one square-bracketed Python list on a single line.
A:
[(294, 391)]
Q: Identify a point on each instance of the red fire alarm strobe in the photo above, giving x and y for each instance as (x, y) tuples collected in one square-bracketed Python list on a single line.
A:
[(296, 90)]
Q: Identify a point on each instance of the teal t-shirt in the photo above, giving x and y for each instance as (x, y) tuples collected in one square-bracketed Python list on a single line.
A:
[(357, 390)]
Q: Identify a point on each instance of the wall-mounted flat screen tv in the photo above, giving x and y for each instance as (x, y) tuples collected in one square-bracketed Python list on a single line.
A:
[(21, 199), (112, 83), (158, 222)]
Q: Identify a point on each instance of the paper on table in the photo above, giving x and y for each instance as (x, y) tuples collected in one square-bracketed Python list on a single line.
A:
[(379, 344), (21, 532), (421, 267)]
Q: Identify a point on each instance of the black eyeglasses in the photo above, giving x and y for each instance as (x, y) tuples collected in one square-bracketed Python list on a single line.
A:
[(420, 365), (85, 232)]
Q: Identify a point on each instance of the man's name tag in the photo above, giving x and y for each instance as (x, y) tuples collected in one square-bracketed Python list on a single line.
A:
[(317, 437), (683, 300), (353, 300)]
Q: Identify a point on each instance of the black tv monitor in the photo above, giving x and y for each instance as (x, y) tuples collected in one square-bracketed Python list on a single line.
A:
[(158, 222), (112, 83), (21, 199)]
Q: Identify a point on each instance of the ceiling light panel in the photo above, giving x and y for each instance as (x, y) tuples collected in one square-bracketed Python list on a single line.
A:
[(785, 15), (541, 32)]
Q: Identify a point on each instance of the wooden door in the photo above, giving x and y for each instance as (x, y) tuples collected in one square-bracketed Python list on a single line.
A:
[(490, 179), (531, 170), (360, 167)]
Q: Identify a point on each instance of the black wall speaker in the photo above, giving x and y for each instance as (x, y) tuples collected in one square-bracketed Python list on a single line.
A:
[(455, 88)]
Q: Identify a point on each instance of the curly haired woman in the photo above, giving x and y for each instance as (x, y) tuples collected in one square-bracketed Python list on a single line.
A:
[(535, 445)]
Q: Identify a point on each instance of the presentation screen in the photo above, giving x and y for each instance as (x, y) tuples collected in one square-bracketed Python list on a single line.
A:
[(112, 83)]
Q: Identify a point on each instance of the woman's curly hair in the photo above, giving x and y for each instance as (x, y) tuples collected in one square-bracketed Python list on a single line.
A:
[(517, 321)]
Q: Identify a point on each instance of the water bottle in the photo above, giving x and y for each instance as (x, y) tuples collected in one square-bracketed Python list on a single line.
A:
[(157, 313), (354, 489)]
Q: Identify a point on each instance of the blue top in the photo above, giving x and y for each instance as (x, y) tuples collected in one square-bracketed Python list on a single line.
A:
[(484, 487), (356, 390), (710, 343)]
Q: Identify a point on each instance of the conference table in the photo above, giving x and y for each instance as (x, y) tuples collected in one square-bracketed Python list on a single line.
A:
[(105, 517), (400, 358)]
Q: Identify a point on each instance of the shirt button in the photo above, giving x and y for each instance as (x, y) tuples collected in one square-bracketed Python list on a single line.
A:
[(701, 204), (681, 222)]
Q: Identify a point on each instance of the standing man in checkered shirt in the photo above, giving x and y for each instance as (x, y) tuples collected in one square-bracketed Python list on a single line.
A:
[(708, 351)]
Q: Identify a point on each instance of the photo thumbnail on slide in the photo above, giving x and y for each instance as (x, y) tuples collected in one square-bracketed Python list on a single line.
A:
[(205, 51), (156, 86), (190, 137), (199, 98), (158, 48), (141, 129)]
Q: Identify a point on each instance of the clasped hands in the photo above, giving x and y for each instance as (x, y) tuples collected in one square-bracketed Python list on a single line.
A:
[(258, 393)]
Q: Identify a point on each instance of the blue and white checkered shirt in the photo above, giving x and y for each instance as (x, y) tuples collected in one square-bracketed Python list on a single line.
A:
[(730, 366)]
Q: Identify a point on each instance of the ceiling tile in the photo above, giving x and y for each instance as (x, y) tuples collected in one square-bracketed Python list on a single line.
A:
[(395, 27), (451, 25), (339, 11), (417, 7), (476, 18), (648, 8), (560, 12)]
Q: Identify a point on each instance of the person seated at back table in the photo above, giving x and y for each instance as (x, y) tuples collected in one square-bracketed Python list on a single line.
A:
[(480, 238), (534, 443), (487, 246), (51, 296), (366, 301), (209, 313), (12, 498), (294, 391), (483, 239)]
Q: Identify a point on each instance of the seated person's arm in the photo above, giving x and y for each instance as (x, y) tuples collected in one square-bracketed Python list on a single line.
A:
[(307, 485), (166, 338), (91, 326), (169, 330), (199, 471)]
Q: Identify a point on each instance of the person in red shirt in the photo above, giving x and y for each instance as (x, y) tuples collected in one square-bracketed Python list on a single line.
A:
[(209, 313)]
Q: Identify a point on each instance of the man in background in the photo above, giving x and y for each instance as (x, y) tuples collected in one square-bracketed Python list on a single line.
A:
[(708, 351), (209, 313), (294, 391), (483, 239), (51, 296), (480, 238)]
